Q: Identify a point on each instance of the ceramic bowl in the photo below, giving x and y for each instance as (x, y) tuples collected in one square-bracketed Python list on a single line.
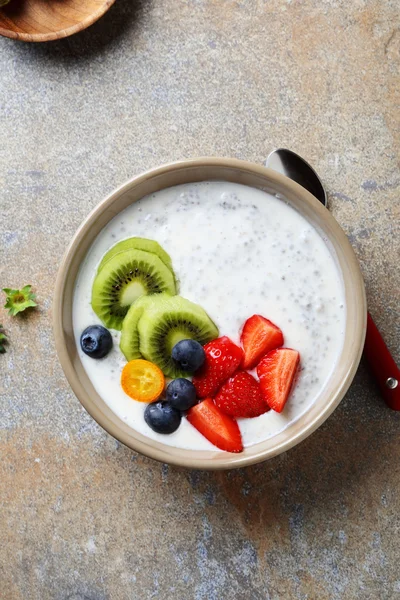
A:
[(250, 175), (46, 20)]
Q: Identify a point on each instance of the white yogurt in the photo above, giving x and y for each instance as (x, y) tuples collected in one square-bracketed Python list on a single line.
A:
[(236, 251)]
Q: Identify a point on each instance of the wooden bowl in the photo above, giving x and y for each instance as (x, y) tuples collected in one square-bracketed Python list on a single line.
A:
[(220, 169), (46, 20)]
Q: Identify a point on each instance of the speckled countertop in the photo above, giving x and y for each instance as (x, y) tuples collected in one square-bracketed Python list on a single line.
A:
[(82, 517)]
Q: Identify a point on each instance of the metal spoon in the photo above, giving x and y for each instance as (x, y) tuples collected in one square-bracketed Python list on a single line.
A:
[(376, 352)]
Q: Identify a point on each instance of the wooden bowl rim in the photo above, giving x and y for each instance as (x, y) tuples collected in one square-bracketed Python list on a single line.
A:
[(62, 33)]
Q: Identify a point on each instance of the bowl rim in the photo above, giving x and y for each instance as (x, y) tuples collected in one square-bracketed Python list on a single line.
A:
[(61, 33), (147, 446)]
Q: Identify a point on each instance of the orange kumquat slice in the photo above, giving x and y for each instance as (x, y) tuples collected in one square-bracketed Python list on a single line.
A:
[(142, 380)]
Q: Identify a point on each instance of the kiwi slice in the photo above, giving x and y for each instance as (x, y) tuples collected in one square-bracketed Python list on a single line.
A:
[(138, 244), (167, 320), (123, 279), (129, 342)]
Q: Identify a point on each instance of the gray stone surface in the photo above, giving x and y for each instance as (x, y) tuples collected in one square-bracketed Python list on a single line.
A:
[(83, 518)]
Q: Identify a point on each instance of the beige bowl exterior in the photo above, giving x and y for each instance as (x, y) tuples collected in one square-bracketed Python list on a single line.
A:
[(201, 170)]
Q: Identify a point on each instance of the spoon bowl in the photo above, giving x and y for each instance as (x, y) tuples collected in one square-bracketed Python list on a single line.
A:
[(295, 167), (46, 20)]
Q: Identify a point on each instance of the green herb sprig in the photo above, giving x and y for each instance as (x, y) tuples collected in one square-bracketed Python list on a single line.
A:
[(3, 340), (19, 300)]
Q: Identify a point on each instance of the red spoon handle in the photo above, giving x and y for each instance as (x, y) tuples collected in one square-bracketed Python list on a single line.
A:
[(382, 365)]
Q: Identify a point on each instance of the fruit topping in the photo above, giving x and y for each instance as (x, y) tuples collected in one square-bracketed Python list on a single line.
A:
[(259, 336), (276, 372), (223, 358), (241, 397), (166, 321), (123, 279), (181, 394), (220, 429), (138, 244), (130, 342), (142, 380), (161, 417), (96, 341), (189, 355)]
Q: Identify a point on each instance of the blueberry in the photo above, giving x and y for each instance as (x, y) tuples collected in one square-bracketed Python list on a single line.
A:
[(162, 417), (181, 394), (189, 355), (96, 341)]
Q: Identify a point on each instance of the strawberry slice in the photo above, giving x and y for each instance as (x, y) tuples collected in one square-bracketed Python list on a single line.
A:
[(277, 371), (241, 397), (223, 357), (219, 429), (259, 336)]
